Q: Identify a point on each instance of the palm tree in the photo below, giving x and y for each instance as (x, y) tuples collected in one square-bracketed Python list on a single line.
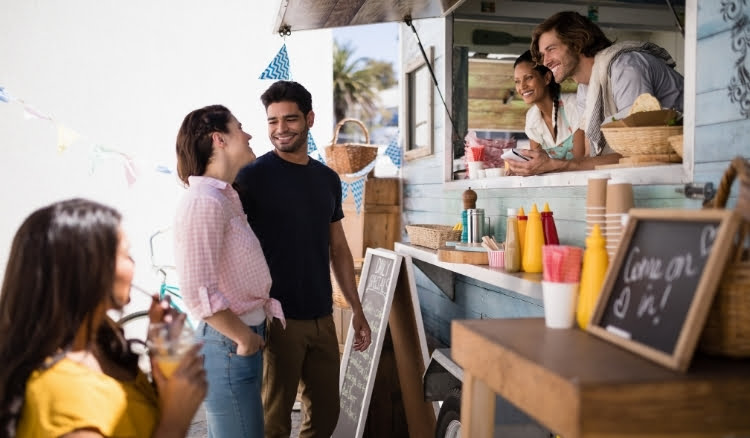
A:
[(357, 81)]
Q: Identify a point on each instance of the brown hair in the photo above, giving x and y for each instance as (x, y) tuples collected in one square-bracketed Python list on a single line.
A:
[(194, 143), (577, 32), (61, 268)]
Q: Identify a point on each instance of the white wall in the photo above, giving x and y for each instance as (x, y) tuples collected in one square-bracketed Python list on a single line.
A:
[(123, 75)]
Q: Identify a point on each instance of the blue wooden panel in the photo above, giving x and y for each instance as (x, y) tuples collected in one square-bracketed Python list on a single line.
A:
[(722, 141), (714, 63), (716, 107), (710, 20)]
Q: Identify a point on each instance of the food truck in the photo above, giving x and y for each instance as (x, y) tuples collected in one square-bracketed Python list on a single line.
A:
[(457, 84)]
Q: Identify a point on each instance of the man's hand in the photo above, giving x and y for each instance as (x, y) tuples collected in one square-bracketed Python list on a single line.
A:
[(538, 163), (362, 333)]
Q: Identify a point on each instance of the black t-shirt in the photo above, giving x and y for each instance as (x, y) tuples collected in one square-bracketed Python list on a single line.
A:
[(290, 207)]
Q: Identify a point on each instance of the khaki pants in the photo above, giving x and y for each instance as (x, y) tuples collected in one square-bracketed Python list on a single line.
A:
[(306, 353)]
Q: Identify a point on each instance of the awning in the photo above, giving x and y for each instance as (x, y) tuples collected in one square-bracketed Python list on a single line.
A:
[(297, 15)]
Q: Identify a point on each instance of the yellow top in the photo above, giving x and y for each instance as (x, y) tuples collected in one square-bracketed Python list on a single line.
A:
[(69, 396)]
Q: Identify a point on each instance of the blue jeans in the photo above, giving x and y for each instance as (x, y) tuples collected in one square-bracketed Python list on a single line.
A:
[(233, 403)]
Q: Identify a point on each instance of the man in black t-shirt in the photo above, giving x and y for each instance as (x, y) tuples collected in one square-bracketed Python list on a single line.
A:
[(293, 204)]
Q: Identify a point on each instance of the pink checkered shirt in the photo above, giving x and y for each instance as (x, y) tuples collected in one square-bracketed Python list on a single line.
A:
[(219, 259)]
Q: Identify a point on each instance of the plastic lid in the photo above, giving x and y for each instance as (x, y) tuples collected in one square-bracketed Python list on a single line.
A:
[(512, 211)]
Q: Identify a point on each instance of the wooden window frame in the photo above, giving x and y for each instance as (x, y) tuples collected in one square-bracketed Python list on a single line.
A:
[(408, 78)]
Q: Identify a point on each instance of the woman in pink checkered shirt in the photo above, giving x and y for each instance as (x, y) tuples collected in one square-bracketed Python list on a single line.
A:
[(224, 277)]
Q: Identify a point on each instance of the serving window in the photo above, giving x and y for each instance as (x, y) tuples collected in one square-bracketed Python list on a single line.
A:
[(485, 103)]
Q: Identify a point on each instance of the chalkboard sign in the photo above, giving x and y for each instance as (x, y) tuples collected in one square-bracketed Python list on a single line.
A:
[(376, 289), (662, 280)]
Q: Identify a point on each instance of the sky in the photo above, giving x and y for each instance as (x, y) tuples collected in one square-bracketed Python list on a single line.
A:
[(377, 41)]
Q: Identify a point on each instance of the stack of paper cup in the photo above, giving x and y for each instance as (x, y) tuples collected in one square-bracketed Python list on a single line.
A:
[(596, 200), (619, 202), (476, 169)]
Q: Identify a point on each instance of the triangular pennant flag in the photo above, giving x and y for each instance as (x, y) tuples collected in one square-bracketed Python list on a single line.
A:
[(163, 169), (320, 157), (65, 137), (279, 66), (357, 190), (393, 151), (344, 190), (29, 112), (311, 146), (4, 96)]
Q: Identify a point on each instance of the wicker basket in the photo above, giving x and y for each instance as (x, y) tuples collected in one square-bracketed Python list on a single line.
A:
[(727, 329), (643, 140), (676, 142), (339, 300), (431, 236), (350, 157)]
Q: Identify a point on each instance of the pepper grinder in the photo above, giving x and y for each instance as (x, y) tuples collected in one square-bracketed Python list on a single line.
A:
[(470, 202)]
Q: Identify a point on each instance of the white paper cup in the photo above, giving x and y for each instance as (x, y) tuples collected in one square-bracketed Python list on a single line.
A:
[(559, 304), (474, 168)]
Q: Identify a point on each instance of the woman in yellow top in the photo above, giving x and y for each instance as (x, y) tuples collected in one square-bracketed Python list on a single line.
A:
[(67, 370)]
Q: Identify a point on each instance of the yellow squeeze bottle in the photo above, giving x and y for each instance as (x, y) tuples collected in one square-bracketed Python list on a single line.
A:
[(595, 261), (533, 242)]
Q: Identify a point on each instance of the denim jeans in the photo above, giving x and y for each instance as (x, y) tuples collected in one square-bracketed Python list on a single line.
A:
[(233, 403)]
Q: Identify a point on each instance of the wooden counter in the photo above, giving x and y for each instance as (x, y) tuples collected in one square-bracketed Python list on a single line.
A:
[(578, 385)]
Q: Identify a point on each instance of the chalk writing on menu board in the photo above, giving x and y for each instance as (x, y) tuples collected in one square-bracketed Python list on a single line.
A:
[(657, 280), (359, 374)]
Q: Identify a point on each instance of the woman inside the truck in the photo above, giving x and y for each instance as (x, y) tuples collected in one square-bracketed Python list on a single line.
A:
[(552, 120)]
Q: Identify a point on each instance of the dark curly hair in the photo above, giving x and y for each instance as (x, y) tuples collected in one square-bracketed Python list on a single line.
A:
[(577, 32), (553, 87), (288, 91), (60, 270)]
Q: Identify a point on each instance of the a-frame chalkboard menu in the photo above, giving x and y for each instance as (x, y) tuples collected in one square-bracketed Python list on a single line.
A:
[(388, 293), (661, 283)]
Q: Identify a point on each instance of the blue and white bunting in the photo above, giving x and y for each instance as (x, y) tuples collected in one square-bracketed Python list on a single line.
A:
[(279, 66), (313, 148), (394, 151), (4, 96), (344, 190), (357, 190)]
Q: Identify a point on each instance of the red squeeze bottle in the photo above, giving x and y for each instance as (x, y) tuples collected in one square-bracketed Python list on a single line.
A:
[(548, 226)]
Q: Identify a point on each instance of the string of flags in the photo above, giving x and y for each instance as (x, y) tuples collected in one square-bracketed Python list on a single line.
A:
[(67, 137), (278, 69)]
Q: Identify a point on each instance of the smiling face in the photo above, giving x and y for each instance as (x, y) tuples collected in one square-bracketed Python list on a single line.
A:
[(558, 57), (288, 127), (530, 84)]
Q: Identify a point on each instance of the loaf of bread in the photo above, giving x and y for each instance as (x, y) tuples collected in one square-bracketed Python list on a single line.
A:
[(645, 102)]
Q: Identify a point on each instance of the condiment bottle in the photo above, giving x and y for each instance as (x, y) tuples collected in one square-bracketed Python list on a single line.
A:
[(533, 242), (522, 220), (512, 244), (470, 202), (548, 226), (595, 261)]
